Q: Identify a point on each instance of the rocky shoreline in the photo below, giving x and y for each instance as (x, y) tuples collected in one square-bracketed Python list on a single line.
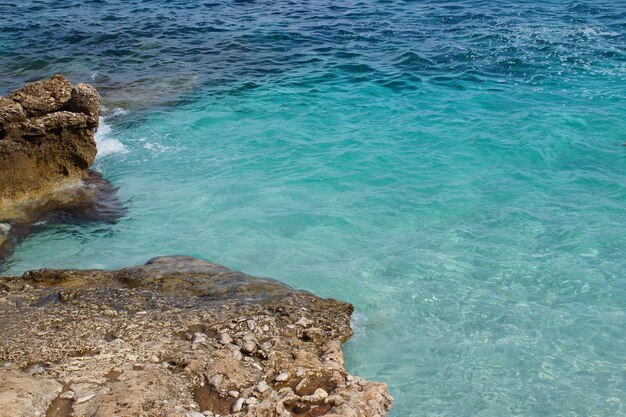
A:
[(177, 336)]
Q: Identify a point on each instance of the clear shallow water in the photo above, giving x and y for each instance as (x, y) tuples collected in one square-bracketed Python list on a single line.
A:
[(455, 170)]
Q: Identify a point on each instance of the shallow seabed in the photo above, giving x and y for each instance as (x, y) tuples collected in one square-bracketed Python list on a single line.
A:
[(454, 169)]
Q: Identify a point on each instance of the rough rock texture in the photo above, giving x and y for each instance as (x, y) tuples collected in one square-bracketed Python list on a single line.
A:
[(24, 395), (176, 337), (46, 137), (46, 147)]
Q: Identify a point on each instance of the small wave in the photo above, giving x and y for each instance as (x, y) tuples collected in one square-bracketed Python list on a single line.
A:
[(105, 143), (358, 322), (155, 147), (117, 112), (413, 61)]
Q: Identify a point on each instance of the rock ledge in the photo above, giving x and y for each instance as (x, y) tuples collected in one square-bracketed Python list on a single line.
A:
[(175, 337)]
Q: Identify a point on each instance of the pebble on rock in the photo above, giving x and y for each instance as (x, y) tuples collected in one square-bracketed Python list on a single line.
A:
[(198, 338), (248, 346), (317, 396), (262, 387), (85, 397), (304, 322), (67, 395), (238, 406), (320, 392), (216, 380), (282, 377)]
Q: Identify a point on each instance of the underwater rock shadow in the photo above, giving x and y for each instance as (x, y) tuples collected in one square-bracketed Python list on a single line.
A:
[(95, 200)]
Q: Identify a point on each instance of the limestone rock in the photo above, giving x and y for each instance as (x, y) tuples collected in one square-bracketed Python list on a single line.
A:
[(85, 99), (10, 112), (46, 137), (46, 148), (24, 395), (43, 97), (59, 321)]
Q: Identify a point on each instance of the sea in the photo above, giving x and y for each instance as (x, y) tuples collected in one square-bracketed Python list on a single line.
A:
[(455, 169)]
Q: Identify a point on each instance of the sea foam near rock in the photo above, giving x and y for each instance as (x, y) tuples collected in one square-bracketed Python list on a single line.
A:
[(105, 143)]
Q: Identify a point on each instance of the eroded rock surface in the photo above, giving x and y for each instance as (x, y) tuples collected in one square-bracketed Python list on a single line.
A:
[(46, 148), (176, 337), (46, 137)]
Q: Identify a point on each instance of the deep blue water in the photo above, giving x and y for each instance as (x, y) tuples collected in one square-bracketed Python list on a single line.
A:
[(454, 169)]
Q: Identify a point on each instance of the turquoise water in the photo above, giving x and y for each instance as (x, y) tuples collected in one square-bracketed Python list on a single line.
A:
[(455, 170)]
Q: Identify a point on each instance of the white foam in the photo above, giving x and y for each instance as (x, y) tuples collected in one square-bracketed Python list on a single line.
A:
[(155, 147), (118, 112), (105, 143), (358, 322)]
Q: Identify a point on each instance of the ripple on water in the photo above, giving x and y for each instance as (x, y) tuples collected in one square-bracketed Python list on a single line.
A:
[(453, 169)]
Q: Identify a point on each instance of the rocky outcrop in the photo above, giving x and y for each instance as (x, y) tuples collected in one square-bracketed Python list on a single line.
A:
[(46, 137), (46, 148), (175, 337)]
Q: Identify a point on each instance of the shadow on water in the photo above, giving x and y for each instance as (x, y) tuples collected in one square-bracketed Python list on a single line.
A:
[(94, 201)]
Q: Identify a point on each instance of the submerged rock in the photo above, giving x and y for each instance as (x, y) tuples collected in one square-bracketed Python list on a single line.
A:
[(174, 338), (46, 148)]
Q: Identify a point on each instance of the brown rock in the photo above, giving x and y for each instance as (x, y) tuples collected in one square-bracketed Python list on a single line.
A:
[(46, 139), (59, 321), (5, 229), (46, 148), (84, 99), (42, 97), (24, 395), (10, 112)]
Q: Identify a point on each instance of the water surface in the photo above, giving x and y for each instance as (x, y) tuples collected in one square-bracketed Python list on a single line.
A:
[(454, 169)]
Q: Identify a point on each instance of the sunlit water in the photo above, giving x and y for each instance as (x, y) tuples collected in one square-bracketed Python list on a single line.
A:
[(455, 170)]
